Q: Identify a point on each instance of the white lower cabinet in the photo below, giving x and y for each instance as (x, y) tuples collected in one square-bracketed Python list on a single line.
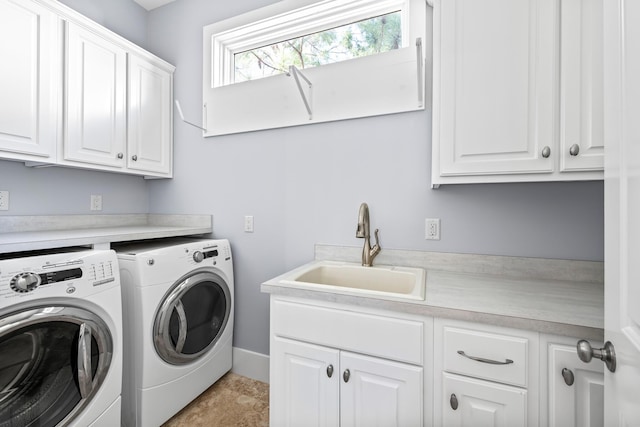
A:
[(320, 376), (322, 386), (473, 402), (304, 384), (345, 365), (488, 375), (575, 390)]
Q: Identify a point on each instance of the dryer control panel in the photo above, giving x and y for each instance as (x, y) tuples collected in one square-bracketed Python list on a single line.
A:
[(60, 274)]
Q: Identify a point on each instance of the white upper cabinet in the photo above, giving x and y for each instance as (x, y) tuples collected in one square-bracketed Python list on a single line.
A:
[(150, 119), (81, 96), (582, 86), (95, 101), (29, 81), (510, 101)]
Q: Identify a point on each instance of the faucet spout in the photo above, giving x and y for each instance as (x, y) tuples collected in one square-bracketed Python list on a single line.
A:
[(362, 232)]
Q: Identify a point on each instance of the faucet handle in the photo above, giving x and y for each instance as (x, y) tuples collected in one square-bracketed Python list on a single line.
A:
[(377, 238)]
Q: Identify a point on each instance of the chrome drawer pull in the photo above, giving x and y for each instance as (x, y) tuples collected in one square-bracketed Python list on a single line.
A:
[(483, 360)]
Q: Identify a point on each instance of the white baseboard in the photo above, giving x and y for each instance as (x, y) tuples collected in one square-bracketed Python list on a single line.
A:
[(250, 364)]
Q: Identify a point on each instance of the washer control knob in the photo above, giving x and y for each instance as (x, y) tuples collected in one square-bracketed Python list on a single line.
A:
[(25, 282), (198, 256)]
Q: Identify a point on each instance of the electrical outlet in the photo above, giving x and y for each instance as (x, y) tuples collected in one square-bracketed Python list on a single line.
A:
[(432, 228), (4, 200), (96, 202), (248, 224)]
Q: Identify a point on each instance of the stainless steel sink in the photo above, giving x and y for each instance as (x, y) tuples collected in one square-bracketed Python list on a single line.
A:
[(378, 281)]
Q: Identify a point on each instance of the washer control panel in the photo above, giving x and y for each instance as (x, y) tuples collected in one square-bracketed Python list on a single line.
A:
[(199, 256)]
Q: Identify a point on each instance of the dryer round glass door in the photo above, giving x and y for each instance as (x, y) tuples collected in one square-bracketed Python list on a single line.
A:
[(192, 317), (52, 362)]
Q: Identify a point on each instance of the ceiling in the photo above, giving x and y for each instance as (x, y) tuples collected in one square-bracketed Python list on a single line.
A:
[(152, 4)]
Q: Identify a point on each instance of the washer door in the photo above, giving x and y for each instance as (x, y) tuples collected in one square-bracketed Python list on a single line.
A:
[(52, 362), (192, 317)]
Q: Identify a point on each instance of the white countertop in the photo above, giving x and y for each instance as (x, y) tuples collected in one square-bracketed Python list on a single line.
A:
[(563, 307), (26, 233)]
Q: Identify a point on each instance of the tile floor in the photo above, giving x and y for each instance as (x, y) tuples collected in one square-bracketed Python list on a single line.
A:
[(233, 401)]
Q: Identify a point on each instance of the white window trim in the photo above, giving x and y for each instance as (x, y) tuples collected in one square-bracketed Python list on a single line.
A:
[(301, 21), (294, 18)]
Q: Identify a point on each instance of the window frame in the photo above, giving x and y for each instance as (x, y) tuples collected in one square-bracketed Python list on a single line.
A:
[(297, 22), (234, 107)]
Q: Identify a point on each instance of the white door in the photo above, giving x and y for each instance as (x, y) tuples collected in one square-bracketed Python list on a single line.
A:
[(28, 81), (95, 121), (471, 402), (495, 86), (622, 209), (150, 117), (305, 385), (378, 392)]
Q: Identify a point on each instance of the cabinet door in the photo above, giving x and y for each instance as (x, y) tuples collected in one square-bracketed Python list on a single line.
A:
[(95, 119), (302, 391), (28, 81), (150, 120), (495, 80), (378, 392), (582, 86), (582, 403), (481, 403)]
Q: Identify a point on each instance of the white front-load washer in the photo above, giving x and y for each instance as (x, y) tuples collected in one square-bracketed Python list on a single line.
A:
[(60, 338), (178, 324)]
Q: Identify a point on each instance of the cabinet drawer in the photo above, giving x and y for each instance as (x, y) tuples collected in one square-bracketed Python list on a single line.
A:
[(481, 354), (376, 335)]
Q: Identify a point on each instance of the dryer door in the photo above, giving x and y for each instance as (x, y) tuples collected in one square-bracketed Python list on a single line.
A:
[(52, 362), (192, 317)]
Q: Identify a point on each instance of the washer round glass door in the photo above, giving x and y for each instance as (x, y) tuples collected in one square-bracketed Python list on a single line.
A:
[(192, 317), (52, 362)]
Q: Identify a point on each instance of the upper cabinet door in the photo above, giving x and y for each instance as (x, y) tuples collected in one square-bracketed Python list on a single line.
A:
[(95, 105), (150, 126), (582, 86), (495, 80), (29, 80)]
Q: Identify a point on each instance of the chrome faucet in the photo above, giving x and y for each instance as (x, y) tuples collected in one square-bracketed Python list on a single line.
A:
[(368, 253)]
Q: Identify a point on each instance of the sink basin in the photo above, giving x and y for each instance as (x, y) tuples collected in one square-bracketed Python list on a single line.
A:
[(378, 281)]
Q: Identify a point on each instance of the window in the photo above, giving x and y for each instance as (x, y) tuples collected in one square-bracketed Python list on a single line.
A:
[(366, 37), (357, 58)]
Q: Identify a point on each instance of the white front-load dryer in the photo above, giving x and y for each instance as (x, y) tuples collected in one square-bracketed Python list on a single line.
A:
[(60, 339), (178, 320)]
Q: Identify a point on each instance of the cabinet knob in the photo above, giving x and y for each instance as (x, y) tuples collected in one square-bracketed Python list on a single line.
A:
[(574, 150), (330, 371), (607, 354), (346, 375), (120, 155), (546, 151), (453, 401), (134, 157), (567, 374)]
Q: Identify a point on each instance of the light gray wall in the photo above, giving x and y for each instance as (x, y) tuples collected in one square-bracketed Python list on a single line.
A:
[(304, 185), (66, 191), (123, 17)]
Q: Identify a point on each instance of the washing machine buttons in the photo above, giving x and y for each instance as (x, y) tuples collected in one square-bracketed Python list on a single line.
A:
[(198, 256), (25, 282)]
